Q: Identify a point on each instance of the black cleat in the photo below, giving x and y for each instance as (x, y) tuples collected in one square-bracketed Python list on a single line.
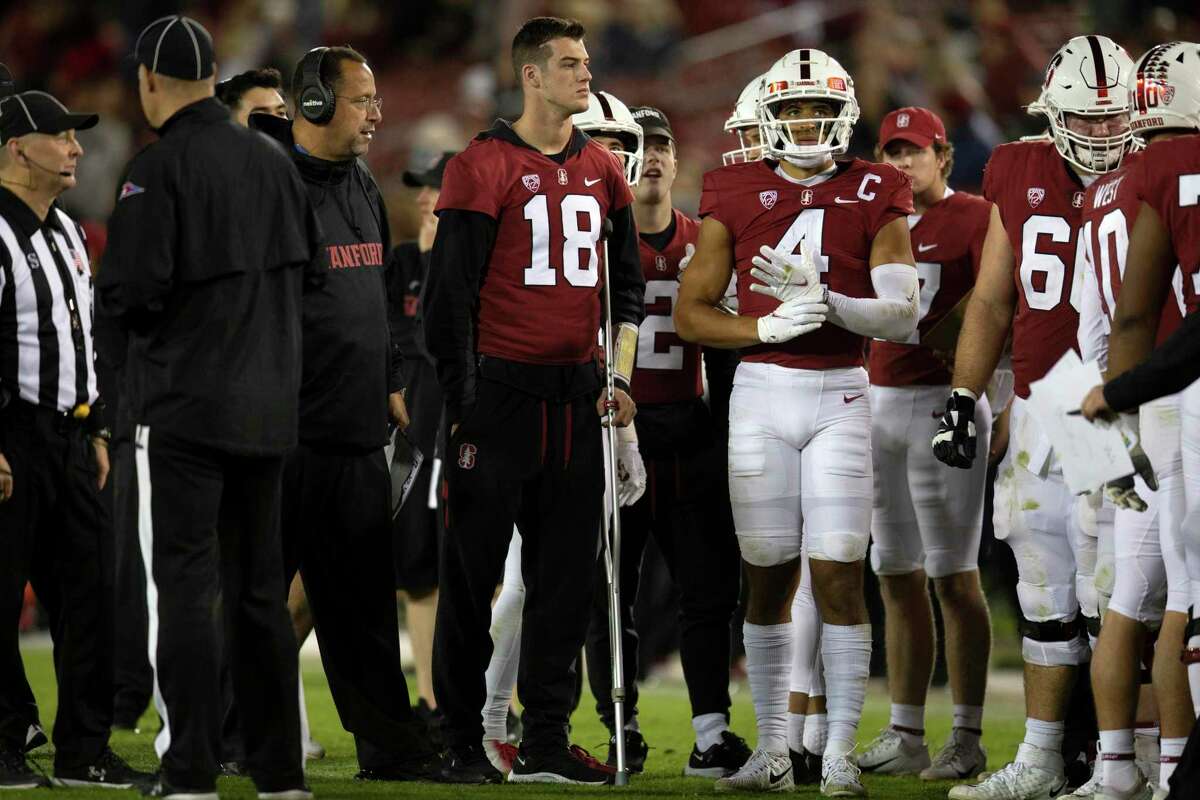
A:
[(806, 767), (231, 769), (421, 768), (35, 738), (158, 788), (109, 770), (571, 764), (636, 751), (16, 773), (719, 761), (468, 765)]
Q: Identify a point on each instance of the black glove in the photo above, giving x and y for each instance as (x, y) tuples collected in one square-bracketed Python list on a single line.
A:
[(954, 442)]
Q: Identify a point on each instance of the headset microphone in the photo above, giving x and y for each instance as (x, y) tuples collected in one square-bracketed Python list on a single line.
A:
[(62, 173)]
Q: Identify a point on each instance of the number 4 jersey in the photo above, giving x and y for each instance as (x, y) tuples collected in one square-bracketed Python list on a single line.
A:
[(1040, 202), (836, 218)]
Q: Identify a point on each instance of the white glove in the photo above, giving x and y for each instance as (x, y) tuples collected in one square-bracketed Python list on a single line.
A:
[(631, 472), (787, 277), (790, 319), (689, 250), (1122, 492)]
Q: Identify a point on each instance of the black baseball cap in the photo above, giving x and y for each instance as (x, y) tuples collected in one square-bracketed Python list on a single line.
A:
[(38, 112), (175, 46), (431, 177), (653, 121)]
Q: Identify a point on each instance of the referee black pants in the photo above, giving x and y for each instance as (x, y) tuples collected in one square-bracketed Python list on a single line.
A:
[(686, 510), (518, 459), (337, 532), (133, 679), (52, 533), (209, 524)]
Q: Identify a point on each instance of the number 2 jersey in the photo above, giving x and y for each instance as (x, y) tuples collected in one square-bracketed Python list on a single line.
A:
[(1040, 202), (516, 270), (837, 219)]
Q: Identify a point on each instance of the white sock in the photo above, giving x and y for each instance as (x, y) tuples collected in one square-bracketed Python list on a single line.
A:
[(795, 732), (708, 728), (501, 673), (909, 722), (768, 666), (846, 652), (1168, 759), (1120, 772), (1046, 735), (816, 732)]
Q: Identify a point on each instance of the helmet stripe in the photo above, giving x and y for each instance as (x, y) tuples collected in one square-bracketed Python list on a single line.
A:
[(805, 69), (1101, 75), (605, 106)]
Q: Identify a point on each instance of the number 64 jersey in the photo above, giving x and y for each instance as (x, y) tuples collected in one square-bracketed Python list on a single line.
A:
[(837, 219)]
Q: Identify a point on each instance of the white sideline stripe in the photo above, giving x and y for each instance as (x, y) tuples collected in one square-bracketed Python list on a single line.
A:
[(162, 742)]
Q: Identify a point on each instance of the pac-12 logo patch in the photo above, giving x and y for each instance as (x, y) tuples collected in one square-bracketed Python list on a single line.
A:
[(768, 199), (532, 182), (1034, 196), (466, 456)]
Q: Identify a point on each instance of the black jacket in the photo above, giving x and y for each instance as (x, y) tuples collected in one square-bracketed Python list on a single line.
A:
[(351, 362), (207, 251)]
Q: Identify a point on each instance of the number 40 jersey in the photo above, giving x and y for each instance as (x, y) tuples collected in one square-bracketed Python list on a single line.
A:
[(837, 219)]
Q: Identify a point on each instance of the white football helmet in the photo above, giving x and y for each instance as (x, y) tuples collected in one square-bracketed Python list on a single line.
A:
[(1165, 90), (1087, 77), (608, 116), (807, 74), (743, 119)]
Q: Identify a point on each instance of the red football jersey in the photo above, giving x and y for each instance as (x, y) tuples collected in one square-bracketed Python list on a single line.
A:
[(946, 241), (838, 217), (545, 262), (1110, 207), (1040, 202), (668, 368), (1169, 181)]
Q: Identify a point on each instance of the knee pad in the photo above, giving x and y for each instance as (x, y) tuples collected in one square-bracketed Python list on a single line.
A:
[(1053, 643), (842, 546), (1043, 602), (768, 548)]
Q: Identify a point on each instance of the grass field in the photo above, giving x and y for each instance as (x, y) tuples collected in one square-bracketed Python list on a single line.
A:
[(664, 717)]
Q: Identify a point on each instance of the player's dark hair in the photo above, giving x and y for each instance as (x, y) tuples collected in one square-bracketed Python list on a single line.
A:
[(946, 149), (531, 44), (331, 67), (230, 91)]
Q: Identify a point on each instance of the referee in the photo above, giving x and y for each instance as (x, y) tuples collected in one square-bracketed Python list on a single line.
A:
[(53, 450), (207, 252)]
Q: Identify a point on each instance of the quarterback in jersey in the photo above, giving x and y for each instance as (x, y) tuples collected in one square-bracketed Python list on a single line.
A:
[(1031, 281), (822, 257), (928, 519)]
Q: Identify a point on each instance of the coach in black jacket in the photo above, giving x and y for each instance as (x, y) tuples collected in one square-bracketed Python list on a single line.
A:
[(336, 503), (212, 379)]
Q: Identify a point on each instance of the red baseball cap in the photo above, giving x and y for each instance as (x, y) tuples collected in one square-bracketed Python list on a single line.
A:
[(920, 126)]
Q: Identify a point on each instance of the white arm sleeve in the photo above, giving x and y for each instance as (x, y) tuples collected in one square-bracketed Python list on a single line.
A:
[(891, 314), (1093, 323)]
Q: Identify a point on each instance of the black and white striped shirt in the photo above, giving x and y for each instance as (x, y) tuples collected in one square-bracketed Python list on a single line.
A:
[(47, 356)]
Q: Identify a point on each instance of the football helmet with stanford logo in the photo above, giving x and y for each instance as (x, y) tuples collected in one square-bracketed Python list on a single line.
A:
[(741, 123), (608, 116), (807, 74), (1089, 76), (1165, 91)]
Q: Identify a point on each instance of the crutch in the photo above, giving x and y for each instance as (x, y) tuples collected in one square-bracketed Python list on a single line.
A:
[(612, 527)]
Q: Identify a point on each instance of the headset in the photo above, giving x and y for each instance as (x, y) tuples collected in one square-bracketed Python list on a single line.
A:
[(316, 100)]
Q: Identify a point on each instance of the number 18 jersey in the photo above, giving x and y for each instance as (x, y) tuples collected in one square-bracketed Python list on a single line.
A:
[(836, 218)]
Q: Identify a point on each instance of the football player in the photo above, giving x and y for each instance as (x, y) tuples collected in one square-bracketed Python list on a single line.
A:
[(928, 519), (1164, 106), (743, 123), (686, 508), (512, 311), (1031, 281), (822, 256)]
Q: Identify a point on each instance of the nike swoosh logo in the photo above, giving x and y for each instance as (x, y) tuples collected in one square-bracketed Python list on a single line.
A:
[(921, 248), (840, 200), (850, 398), (774, 778), (587, 182)]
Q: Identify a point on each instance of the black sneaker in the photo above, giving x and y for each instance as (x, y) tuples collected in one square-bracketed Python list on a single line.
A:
[(468, 765), (16, 773), (107, 770), (806, 767), (420, 768), (35, 738), (157, 788), (636, 751), (721, 760), (570, 765)]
